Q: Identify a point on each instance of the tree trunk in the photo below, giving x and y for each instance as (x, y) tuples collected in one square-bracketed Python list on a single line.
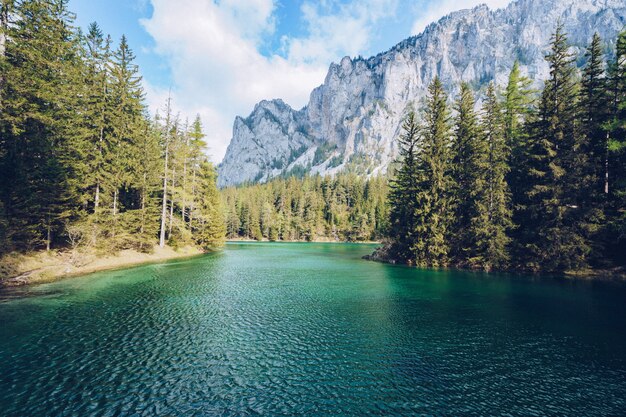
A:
[(4, 24), (100, 143), (169, 231), (96, 203), (143, 204), (184, 202), (164, 205), (167, 148), (115, 202), (606, 165), (193, 198), (49, 235)]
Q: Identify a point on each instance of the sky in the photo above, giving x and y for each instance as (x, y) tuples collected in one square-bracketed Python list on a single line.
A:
[(218, 58)]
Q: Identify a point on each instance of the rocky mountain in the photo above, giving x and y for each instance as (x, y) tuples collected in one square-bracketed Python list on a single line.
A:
[(352, 120)]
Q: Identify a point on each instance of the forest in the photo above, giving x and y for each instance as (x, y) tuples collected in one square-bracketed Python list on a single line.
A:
[(343, 208), (518, 179), (533, 181), (82, 163)]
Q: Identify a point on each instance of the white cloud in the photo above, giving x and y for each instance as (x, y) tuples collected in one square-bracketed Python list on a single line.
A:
[(212, 49), (437, 9), (336, 30)]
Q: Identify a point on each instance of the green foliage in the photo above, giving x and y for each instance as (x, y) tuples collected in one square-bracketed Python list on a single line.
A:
[(404, 192), (542, 189), (421, 203), (553, 239), (323, 152), (434, 201), (468, 167), (79, 159), (616, 153), (492, 211), (311, 208)]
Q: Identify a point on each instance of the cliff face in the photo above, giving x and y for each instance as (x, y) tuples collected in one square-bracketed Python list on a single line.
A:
[(352, 120)]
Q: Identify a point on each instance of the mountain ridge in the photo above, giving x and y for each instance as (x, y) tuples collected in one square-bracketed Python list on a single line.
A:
[(352, 120)]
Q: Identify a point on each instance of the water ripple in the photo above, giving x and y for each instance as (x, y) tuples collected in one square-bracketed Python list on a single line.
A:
[(320, 333)]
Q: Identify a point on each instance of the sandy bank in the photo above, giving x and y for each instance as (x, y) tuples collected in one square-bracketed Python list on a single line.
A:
[(39, 267)]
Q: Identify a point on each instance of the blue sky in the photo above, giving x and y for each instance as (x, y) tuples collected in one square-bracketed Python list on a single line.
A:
[(217, 58)]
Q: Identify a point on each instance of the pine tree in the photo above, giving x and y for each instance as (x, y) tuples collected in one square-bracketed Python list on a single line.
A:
[(209, 229), (128, 127), (166, 139), (39, 74), (517, 106), (6, 10), (403, 192), (492, 213), (591, 157), (467, 151), (552, 237), (615, 186), (97, 60), (433, 206)]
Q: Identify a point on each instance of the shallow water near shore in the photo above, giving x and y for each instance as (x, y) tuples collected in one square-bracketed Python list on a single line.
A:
[(296, 328)]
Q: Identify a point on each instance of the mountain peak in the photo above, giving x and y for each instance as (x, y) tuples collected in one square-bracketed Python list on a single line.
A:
[(352, 120)]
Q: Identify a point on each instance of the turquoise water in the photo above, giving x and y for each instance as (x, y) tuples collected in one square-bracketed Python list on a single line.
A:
[(285, 329)]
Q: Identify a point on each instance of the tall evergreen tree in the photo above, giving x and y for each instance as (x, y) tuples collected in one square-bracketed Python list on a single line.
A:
[(492, 204), (594, 114), (38, 191), (209, 229), (616, 156), (591, 156), (517, 107), (433, 206), (79, 157), (552, 237), (167, 140), (403, 192), (468, 148), (97, 112)]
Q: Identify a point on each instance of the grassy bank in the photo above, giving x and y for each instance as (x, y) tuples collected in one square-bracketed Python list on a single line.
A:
[(38, 267), (383, 255)]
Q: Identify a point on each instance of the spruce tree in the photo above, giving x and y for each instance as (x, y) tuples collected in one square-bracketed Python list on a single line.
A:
[(492, 213), (591, 155), (517, 107), (128, 126), (467, 151), (209, 228), (403, 193), (39, 188), (616, 156), (97, 61), (433, 210), (553, 240)]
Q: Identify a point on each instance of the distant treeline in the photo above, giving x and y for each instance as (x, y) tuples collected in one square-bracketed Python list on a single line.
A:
[(534, 181), (81, 162), (344, 208)]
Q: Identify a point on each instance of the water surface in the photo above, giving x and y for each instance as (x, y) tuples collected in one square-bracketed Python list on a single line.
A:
[(284, 329)]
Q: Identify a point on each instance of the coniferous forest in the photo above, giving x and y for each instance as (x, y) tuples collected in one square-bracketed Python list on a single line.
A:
[(511, 179), (344, 208), (534, 180), (81, 160)]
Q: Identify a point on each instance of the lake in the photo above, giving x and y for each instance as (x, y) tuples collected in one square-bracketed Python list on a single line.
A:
[(295, 328)]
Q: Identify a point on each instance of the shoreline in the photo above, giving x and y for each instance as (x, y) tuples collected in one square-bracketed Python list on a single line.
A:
[(18, 270), (609, 275), (242, 240)]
